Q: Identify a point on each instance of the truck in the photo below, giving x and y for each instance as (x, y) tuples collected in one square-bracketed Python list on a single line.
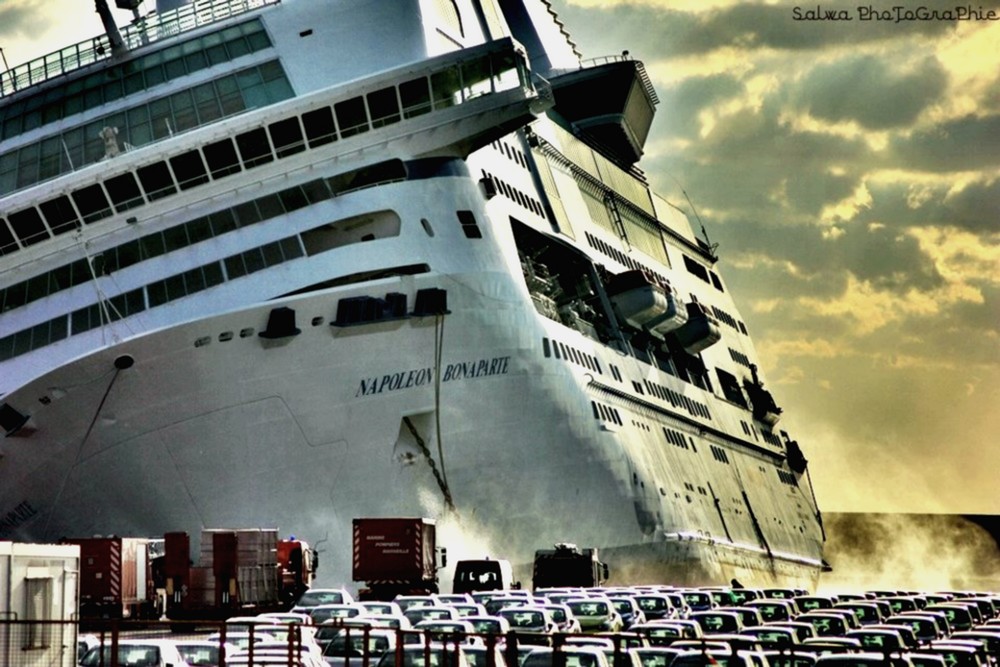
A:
[(117, 577), (39, 596), (395, 556), (485, 574), (567, 565), (238, 571)]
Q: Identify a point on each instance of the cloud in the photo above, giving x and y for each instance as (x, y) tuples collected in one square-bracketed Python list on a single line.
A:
[(867, 89), (964, 144)]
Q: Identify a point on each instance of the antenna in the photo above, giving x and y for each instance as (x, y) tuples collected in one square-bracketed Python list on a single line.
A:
[(704, 232)]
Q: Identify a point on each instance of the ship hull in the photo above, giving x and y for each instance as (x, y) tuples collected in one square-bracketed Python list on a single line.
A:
[(459, 417)]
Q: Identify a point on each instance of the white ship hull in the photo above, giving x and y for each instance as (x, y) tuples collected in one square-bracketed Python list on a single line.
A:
[(519, 416)]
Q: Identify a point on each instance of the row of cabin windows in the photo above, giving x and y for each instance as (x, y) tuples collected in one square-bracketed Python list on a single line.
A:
[(604, 413), (187, 109), (771, 438), (677, 400), (719, 454), (696, 269), (739, 357), (728, 319), (620, 257), (678, 439), (455, 84), (787, 477), (512, 193), (570, 353), (197, 230), (511, 152), (154, 294), (135, 76)]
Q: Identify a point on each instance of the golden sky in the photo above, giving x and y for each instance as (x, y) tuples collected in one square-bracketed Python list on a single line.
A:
[(848, 170)]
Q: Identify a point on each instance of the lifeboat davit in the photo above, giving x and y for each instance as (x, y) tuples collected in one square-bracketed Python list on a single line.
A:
[(646, 304)]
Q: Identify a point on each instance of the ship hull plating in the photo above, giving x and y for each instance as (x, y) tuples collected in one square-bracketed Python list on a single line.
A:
[(457, 416)]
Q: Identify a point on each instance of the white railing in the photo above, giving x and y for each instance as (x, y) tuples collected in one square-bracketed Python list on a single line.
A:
[(145, 31)]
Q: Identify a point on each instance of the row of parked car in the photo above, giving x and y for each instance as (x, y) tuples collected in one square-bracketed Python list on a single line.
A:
[(647, 626)]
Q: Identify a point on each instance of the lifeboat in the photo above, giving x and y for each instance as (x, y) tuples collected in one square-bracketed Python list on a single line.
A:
[(646, 304), (700, 331)]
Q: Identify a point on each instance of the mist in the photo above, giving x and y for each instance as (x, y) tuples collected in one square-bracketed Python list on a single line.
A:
[(924, 552)]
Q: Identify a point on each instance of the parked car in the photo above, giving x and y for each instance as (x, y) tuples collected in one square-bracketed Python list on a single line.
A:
[(317, 596), (595, 615), (203, 653), (135, 653)]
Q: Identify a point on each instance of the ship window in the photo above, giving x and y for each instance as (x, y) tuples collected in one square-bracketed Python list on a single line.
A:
[(124, 192), (286, 135), (7, 242), (469, 225), (28, 226), (445, 85), (156, 180), (319, 127), (383, 107), (426, 224), (189, 169), (221, 158), (416, 97), (293, 199), (222, 221), (351, 116), (254, 148), (60, 215), (152, 246)]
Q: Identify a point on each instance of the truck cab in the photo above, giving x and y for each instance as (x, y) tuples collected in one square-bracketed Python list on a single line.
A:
[(483, 575), (567, 565)]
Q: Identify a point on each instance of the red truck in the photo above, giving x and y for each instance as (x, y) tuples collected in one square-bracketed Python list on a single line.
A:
[(245, 571), (116, 577), (395, 556)]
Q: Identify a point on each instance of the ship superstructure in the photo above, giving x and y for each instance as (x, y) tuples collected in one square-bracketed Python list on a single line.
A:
[(290, 263)]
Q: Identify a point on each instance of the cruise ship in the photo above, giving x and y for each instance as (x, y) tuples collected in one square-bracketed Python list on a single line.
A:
[(291, 262)]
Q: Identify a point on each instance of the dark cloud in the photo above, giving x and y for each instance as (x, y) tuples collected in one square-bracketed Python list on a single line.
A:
[(966, 144), (870, 91), (16, 20), (654, 31), (976, 208), (683, 101)]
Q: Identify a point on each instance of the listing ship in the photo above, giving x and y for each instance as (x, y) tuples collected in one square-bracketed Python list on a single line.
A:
[(289, 262)]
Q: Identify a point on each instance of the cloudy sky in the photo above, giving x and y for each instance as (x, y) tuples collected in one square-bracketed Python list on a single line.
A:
[(848, 170)]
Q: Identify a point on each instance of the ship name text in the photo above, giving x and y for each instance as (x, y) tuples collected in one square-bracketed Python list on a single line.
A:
[(417, 377), (9, 521)]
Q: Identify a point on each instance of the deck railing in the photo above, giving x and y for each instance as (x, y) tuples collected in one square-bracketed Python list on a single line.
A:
[(146, 30)]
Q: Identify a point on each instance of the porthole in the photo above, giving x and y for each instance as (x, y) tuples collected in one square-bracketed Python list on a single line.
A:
[(425, 223)]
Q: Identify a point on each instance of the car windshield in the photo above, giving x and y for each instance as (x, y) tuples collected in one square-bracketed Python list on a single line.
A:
[(523, 619), (198, 655), (312, 598), (134, 656), (437, 657), (652, 604), (589, 608)]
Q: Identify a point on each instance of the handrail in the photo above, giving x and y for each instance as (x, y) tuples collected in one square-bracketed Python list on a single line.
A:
[(146, 30)]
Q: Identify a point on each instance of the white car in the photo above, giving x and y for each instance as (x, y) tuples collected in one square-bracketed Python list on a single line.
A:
[(317, 596), (135, 653)]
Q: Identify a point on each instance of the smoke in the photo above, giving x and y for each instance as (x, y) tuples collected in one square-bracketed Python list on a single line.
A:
[(465, 540), (927, 552)]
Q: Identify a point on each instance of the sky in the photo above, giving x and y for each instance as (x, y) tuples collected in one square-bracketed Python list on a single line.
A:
[(849, 171)]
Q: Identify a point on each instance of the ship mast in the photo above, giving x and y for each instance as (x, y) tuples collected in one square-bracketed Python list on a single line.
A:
[(118, 47)]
